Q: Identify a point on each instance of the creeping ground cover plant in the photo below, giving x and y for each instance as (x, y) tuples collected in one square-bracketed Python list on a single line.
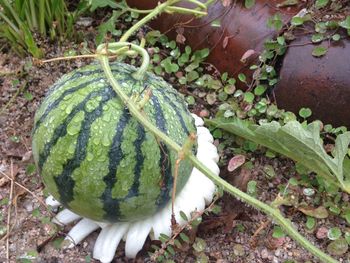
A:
[(117, 147)]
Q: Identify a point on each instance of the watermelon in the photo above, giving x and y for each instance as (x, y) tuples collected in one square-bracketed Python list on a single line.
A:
[(95, 158)]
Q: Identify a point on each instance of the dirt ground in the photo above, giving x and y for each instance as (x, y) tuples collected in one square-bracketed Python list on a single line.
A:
[(228, 235)]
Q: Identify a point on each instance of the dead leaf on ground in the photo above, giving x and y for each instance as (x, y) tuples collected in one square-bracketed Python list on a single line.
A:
[(246, 55), (19, 192), (180, 38), (274, 243), (235, 162), (225, 42), (4, 180), (319, 212), (226, 3)]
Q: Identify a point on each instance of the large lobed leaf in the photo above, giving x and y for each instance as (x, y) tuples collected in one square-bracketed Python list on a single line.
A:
[(302, 144)]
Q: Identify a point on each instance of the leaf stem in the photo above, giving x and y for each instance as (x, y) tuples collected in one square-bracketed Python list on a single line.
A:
[(102, 55), (273, 213)]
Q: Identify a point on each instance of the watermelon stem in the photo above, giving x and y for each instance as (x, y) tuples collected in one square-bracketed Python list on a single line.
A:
[(102, 52), (272, 212), (165, 7)]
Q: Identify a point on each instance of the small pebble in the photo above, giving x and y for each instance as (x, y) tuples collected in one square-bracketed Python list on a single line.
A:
[(277, 252), (264, 253), (238, 250), (321, 233)]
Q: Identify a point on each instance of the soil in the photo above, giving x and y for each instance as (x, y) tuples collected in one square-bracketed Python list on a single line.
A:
[(232, 235)]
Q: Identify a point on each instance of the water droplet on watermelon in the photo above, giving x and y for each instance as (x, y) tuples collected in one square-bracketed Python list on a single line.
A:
[(89, 106), (96, 141), (106, 141), (90, 156), (73, 128), (105, 107), (67, 97), (69, 108), (71, 148), (106, 117)]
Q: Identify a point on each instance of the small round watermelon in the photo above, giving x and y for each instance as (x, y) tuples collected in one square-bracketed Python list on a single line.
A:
[(96, 158)]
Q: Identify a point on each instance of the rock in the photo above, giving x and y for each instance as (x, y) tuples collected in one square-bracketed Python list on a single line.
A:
[(321, 232), (238, 250), (264, 253)]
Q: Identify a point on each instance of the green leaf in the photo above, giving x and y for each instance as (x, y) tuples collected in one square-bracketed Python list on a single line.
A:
[(30, 169), (192, 75), (321, 3), (310, 223), (184, 237), (249, 97), (278, 232), (102, 3), (305, 112), (88, 259), (338, 247), (259, 90), (249, 3), (216, 23), (27, 95), (269, 171), (57, 243), (302, 144), (281, 40), (183, 216), (346, 23), (319, 51), (336, 37), (171, 250), (106, 27), (190, 100), (163, 238), (316, 38), (251, 188), (334, 233), (288, 3), (199, 244), (297, 21), (242, 77), (275, 21)]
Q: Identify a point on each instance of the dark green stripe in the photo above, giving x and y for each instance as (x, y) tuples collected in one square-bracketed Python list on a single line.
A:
[(167, 182), (164, 161), (178, 114), (75, 76), (59, 100), (134, 190), (79, 74), (111, 205), (55, 104), (61, 130), (65, 183)]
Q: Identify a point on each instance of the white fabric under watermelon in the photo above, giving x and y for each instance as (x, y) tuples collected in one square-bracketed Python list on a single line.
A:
[(191, 198)]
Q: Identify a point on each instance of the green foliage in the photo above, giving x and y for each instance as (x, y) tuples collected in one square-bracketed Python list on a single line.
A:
[(278, 232), (249, 3), (20, 19), (302, 144), (106, 27), (319, 51)]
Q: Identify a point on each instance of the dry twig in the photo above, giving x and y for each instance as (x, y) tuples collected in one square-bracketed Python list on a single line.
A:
[(9, 215), (179, 230)]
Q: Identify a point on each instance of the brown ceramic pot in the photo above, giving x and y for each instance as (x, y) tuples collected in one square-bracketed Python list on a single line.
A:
[(240, 30), (322, 84)]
